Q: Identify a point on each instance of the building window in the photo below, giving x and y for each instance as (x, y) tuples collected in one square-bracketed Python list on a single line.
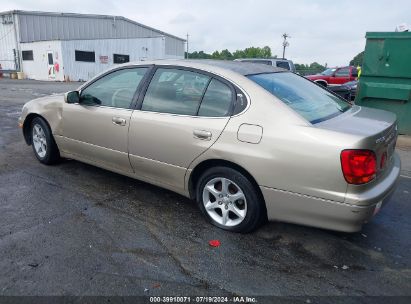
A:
[(27, 55), (117, 58), (85, 56)]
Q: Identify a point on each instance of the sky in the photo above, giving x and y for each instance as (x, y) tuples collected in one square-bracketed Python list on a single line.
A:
[(321, 31)]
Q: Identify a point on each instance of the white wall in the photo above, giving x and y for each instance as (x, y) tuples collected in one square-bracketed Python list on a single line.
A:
[(38, 68), (7, 44), (137, 48), (70, 69)]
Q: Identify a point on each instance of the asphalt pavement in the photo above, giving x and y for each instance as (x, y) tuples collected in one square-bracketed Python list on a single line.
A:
[(74, 229)]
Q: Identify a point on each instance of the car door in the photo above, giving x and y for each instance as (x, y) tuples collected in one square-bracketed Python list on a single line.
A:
[(182, 113), (96, 129), (341, 75)]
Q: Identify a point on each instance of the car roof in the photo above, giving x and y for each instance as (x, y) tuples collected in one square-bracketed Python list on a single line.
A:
[(243, 68), (263, 59)]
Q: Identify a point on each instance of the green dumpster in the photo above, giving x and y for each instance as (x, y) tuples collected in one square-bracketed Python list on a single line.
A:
[(385, 81)]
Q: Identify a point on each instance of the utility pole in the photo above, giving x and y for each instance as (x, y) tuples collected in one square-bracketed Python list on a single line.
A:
[(187, 46), (285, 42)]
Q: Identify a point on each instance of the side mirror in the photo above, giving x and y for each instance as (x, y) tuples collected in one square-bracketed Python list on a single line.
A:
[(72, 97)]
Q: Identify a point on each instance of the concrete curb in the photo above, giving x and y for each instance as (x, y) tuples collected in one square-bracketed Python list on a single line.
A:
[(404, 142)]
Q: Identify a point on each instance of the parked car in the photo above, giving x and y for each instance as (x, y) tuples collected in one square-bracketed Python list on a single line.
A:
[(334, 76), (276, 62), (341, 90), (246, 141), (352, 85)]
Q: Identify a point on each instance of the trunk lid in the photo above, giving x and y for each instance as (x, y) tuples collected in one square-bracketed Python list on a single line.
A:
[(376, 129)]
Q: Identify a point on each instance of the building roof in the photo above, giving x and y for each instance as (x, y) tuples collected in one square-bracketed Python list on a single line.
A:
[(67, 19)]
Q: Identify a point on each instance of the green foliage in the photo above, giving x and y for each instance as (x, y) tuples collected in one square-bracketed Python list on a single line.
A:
[(309, 69), (357, 60), (256, 52), (251, 52)]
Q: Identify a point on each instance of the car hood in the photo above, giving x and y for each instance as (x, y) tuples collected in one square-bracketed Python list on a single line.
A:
[(46, 99)]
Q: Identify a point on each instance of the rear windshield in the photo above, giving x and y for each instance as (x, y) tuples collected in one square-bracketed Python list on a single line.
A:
[(306, 98), (267, 62), (283, 64)]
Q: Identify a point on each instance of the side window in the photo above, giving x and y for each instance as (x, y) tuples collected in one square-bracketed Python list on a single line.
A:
[(343, 72), (115, 89), (175, 91), (283, 65), (27, 55), (217, 100), (84, 56), (354, 72), (240, 103), (118, 58)]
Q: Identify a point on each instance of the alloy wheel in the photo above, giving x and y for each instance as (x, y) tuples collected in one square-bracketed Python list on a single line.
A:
[(39, 141), (224, 201)]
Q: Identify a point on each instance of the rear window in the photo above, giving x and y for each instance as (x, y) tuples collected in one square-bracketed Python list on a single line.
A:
[(283, 65), (267, 62), (306, 98)]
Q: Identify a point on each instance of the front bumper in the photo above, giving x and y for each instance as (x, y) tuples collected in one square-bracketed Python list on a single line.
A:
[(348, 216)]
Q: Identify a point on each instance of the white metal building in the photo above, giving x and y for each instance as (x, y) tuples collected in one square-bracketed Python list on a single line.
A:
[(65, 46)]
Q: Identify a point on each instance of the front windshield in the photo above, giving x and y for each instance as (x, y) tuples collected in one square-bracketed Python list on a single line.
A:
[(328, 72), (305, 97)]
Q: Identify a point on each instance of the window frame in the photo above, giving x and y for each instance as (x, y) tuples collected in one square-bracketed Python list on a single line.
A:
[(234, 91), (137, 93), (27, 51), (114, 58), (75, 59)]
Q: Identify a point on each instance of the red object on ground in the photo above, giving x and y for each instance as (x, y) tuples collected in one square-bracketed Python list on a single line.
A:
[(214, 243)]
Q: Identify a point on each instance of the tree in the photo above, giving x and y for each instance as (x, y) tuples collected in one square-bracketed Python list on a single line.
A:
[(250, 52), (308, 69), (239, 54), (215, 55), (226, 55), (266, 52), (358, 59)]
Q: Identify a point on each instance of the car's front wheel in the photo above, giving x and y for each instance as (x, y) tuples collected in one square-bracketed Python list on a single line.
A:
[(229, 200), (43, 143)]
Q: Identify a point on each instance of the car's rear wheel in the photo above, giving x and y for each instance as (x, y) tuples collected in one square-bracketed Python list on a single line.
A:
[(229, 200), (43, 143)]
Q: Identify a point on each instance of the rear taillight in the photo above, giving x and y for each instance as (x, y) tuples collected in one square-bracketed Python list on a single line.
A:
[(358, 166)]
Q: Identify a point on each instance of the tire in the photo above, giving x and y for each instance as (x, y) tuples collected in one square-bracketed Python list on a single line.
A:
[(322, 83), (238, 209), (42, 141)]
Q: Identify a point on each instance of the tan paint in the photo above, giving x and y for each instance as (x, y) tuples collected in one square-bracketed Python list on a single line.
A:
[(296, 164), (251, 134)]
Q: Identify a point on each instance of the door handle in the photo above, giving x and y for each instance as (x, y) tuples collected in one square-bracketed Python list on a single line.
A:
[(202, 134), (118, 121)]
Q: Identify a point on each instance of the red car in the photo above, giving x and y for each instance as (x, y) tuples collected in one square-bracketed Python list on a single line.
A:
[(334, 76)]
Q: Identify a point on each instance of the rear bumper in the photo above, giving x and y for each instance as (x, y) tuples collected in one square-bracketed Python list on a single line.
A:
[(348, 216)]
